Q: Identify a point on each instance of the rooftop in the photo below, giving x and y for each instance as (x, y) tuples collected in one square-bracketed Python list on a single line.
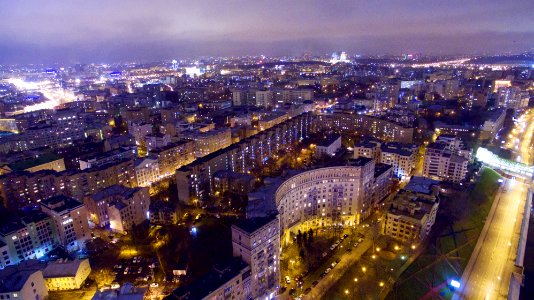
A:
[(210, 281), (114, 190), (62, 269), (61, 203), (13, 278), (29, 163), (360, 161), (253, 224), (329, 140), (422, 185)]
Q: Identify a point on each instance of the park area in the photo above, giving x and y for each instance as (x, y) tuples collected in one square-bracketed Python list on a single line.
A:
[(459, 223)]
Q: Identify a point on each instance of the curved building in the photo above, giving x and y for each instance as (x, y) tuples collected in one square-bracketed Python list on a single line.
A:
[(341, 194)]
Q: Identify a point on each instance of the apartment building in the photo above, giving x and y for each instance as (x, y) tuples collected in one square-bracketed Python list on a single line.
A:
[(70, 219), (257, 242)]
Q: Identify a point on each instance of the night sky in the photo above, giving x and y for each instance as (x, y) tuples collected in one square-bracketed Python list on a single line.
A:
[(120, 30)]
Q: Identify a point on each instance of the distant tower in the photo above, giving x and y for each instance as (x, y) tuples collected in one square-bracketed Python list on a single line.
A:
[(174, 64)]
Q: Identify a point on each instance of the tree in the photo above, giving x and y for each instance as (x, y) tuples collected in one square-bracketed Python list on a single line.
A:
[(310, 236), (102, 277)]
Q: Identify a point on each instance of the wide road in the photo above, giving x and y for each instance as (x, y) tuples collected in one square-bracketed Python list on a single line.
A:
[(488, 273)]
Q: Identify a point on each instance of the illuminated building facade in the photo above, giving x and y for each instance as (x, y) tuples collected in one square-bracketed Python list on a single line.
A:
[(118, 207), (146, 171), (338, 195), (70, 218), (257, 242), (442, 164), (30, 237), (173, 156), (195, 180), (412, 213), (210, 141), (400, 156), (379, 128), (66, 275)]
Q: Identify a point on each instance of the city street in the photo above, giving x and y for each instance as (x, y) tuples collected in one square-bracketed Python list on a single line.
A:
[(488, 273)]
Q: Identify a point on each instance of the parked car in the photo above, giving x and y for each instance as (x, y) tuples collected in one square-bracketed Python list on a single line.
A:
[(315, 283)]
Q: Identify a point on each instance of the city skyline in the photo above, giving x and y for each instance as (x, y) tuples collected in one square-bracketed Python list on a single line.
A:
[(135, 30)]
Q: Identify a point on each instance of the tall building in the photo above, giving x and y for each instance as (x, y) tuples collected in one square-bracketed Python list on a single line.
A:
[(28, 237), (380, 128), (146, 171), (257, 242), (195, 181), (173, 156), (210, 141), (227, 280), (332, 195), (400, 156), (442, 164), (413, 211), (118, 207), (70, 218)]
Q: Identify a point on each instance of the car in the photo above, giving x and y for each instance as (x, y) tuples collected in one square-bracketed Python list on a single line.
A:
[(292, 291), (333, 265), (327, 270), (115, 285), (126, 270), (282, 289), (140, 270), (338, 260), (315, 283), (322, 275), (154, 285), (349, 249), (288, 280), (332, 247), (325, 254), (345, 236), (306, 291), (360, 240), (356, 244)]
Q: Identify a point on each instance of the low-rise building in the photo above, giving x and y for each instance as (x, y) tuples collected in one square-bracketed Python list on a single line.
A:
[(162, 213), (127, 291), (24, 281), (328, 146), (66, 275)]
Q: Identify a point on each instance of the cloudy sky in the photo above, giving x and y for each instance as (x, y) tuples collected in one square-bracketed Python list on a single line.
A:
[(120, 30)]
